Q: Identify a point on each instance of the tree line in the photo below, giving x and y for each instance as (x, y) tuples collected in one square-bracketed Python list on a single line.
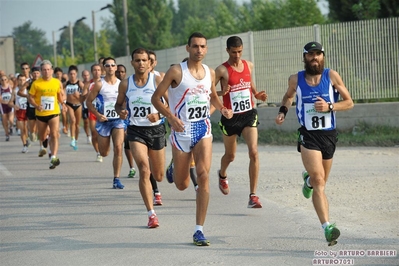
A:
[(161, 24)]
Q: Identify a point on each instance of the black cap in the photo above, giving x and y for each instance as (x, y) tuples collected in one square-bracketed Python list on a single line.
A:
[(312, 46)]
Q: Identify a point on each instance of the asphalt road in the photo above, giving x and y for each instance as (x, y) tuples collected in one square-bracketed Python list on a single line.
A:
[(72, 216)]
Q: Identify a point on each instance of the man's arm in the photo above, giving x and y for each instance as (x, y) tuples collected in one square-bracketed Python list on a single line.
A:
[(261, 95), (222, 75), (120, 100), (288, 98), (347, 102), (91, 96), (215, 101), (171, 77)]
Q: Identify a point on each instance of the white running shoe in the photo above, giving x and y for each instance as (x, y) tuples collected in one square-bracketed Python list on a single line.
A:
[(99, 158), (25, 149)]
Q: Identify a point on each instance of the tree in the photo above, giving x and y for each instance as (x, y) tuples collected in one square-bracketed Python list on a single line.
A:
[(352, 10), (82, 43), (149, 27), (28, 43)]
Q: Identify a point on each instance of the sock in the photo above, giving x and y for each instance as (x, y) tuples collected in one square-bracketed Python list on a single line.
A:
[(222, 177), (198, 227), (308, 182), (251, 194), (41, 147), (151, 212), (325, 225), (52, 156)]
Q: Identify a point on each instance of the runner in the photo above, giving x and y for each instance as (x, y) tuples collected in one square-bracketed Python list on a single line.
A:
[(146, 130), (44, 94), (73, 88), (85, 112), (190, 87), (105, 92), (20, 111), (7, 113)]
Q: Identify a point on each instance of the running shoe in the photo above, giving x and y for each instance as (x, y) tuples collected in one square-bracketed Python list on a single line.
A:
[(254, 202), (34, 137), (7, 138), (74, 144), (99, 158), (158, 199), (88, 140), (25, 149), (118, 184), (223, 184), (28, 143), (199, 239), (196, 188), (306, 191), (54, 162), (331, 233), (169, 172), (132, 173), (42, 152), (153, 221)]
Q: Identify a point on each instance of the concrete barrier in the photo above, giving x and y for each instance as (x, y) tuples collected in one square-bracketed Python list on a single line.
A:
[(386, 114)]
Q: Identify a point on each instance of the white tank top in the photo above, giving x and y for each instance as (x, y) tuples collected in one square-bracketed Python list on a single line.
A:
[(21, 102), (190, 100), (139, 102), (106, 99)]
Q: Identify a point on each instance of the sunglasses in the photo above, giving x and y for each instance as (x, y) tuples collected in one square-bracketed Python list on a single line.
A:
[(109, 65)]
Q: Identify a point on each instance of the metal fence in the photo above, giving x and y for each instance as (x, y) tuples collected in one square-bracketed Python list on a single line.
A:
[(364, 53)]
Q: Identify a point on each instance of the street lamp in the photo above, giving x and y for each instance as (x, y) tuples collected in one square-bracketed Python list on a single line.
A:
[(71, 34), (126, 30), (94, 30)]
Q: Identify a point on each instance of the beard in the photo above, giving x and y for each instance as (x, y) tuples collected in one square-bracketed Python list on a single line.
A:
[(314, 69)]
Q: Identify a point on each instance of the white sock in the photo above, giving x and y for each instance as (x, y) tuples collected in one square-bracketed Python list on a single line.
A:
[(151, 212), (325, 225), (198, 227), (308, 181)]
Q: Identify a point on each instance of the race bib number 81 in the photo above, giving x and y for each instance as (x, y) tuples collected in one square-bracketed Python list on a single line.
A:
[(316, 120)]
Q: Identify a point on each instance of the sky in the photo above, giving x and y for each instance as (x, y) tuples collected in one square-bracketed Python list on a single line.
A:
[(51, 15)]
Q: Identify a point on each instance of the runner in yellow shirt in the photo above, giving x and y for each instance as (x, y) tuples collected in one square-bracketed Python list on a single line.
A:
[(44, 95)]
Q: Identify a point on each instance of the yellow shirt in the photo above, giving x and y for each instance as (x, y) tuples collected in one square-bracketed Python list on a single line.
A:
[(45, 93)]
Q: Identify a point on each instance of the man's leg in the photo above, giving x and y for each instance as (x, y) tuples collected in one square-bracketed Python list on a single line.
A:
[(250, 135), (54, 125), (230, 147), (117, 135)]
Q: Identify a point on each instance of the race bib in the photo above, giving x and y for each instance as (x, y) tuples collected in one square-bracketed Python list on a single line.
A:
[(6, 96), (316, 120), (109, 110), (142, 106), (23, 103), (197, 107), (241, 101), (47, 103)]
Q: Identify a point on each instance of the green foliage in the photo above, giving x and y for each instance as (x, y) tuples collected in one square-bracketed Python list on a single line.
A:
[(28, 43), (352, 10)]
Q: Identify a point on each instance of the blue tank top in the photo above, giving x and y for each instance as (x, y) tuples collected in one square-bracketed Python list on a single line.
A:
[(306, 95)]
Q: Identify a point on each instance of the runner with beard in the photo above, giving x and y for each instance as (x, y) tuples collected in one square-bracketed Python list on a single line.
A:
[(317, 90)]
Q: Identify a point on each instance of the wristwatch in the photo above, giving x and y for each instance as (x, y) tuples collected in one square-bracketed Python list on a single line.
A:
[(330, 106)]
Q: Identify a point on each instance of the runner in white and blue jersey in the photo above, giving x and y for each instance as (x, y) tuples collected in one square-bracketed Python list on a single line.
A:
[(109, 125)]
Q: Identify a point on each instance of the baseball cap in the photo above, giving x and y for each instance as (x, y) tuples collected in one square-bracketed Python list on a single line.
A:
[(311, 46)]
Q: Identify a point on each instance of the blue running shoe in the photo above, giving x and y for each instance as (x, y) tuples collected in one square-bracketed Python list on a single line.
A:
[(118, 184), (169, 172), (199, 239)]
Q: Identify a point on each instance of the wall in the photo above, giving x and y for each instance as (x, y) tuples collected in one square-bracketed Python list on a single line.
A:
[(7, 62)]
